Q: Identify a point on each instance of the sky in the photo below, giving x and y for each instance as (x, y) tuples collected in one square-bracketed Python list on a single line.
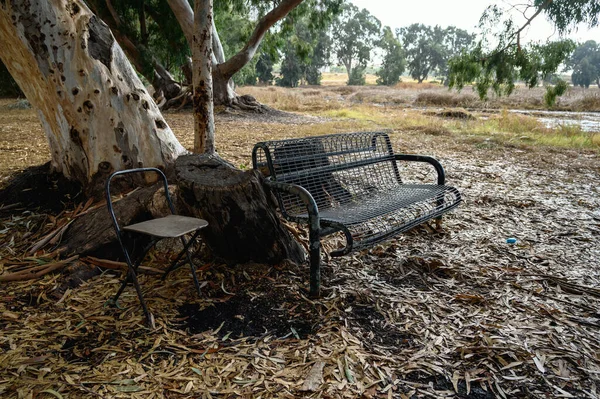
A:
[(463, 14)]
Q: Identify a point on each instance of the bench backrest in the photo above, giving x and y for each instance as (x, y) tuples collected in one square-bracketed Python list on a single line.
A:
[(336, 169)]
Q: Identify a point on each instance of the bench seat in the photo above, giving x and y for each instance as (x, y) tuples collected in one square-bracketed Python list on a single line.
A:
[(385, 214)]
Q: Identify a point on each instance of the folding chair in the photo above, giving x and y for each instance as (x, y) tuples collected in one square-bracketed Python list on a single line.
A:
[(171, 226)]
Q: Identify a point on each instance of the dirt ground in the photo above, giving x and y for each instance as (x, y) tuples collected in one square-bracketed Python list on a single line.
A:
[(458, 313)]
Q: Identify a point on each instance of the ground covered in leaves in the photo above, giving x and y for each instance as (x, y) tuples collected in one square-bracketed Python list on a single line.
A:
[(456, 313)]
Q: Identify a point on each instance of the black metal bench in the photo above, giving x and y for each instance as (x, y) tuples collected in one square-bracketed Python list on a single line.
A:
[(349, 183)]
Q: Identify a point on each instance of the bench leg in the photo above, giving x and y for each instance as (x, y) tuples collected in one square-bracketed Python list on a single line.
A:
[(315, 263), (439, 204)]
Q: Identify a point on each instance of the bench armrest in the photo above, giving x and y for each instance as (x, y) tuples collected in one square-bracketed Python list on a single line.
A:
[(305, 197), (430, 160), (314, 229)]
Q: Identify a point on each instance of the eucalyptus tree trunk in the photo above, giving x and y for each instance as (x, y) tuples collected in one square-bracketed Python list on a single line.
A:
[(223, 70), (202, 56), (95, 111), (223, 88)]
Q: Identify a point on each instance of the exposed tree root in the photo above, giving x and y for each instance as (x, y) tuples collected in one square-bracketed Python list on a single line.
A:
[(179, 101), (184, 100), (247, 103)]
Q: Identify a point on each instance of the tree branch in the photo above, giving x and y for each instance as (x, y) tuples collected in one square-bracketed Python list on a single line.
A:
[(217, 46), (237, 62), (112, 11), (185, 16), (517, 34)]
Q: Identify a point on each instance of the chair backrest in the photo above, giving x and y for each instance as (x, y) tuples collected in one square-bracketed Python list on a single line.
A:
[(335, 169), (133, 171)]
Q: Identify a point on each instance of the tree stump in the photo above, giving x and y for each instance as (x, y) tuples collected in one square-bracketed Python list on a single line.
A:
[(242, 224)]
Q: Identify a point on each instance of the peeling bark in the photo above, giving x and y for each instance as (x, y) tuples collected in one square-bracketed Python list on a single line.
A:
[(95, 111)]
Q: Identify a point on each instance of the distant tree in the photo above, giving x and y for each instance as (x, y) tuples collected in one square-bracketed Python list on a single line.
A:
[(291, 69), (455, 42), (585, 63), (394, 62), (357, 77), (499, 59), (264, 68), (306, 52), (355, 32), (424, 48), (320, 57), (584, 74)]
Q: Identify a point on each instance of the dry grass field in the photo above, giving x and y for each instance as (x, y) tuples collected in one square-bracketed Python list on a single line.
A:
[(431, 314), (339, 79)]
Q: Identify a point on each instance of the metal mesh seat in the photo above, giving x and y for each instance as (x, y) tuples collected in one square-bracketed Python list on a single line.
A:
[(386, 213), (350, 183), (170, 226)]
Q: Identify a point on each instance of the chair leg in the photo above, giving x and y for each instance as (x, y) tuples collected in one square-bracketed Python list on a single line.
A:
[(132, 277), (185, 251), (131, 265), (149, 318), (193, 268), (176, 263)]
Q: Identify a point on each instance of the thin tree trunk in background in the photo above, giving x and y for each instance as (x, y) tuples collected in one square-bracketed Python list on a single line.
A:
[(204, 124), (348, 66), (223, 70), (95, 111), (185, 16), (143, 28)]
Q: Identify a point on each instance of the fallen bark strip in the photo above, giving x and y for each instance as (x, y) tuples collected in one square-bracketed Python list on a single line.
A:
[(114, 265), (37, 271)]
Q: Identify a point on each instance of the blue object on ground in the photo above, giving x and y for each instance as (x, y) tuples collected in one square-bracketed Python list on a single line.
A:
[(511, 240)]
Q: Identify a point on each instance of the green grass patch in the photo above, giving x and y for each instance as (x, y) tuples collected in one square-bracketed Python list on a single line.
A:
[(505, 128), (527, 131), (350, 113)]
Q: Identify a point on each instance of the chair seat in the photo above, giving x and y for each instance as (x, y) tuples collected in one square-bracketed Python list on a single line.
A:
[(171, 226)]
